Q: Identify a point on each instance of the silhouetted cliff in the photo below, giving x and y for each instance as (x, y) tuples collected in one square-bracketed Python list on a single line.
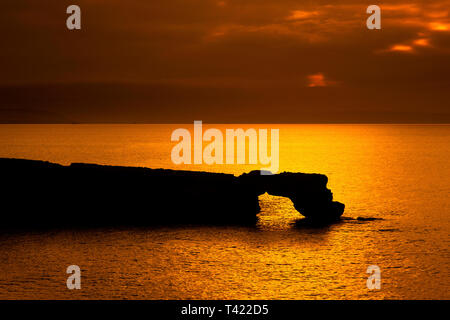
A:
[(42, 194)]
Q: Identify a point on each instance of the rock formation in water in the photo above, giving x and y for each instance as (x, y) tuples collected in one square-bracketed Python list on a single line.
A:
[(42, 194)]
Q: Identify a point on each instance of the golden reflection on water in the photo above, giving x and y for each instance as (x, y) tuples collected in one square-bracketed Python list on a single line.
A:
[(398, 173)]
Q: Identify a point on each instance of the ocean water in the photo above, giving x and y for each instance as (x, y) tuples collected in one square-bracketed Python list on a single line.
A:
[(397, 173)]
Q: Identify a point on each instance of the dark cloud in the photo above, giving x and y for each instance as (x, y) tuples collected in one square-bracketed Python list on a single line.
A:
[(224, 61)]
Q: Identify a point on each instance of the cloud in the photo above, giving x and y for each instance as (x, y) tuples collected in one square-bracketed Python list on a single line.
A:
[(422, 42), (252, 48), (401, 48), (439, 26), (318, 80), (410, 8), (300, 14)]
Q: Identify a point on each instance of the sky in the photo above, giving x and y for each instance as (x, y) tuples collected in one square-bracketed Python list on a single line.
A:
[(227, 61)]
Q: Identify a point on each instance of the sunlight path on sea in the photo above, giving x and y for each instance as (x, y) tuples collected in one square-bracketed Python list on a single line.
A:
[(398, 173)]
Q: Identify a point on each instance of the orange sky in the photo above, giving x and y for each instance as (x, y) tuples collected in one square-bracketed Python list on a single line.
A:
[(225, 61)]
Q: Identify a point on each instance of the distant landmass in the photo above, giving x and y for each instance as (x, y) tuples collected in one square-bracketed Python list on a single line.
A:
[(169, 103), (39, 194)]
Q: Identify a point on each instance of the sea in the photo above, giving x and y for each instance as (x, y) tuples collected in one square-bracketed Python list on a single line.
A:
[(397, 174)]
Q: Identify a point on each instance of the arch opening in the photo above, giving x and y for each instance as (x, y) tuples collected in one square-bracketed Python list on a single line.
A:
[(277, 212)]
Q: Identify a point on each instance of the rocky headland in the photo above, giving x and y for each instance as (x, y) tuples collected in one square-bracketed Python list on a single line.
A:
[(41, 194)]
